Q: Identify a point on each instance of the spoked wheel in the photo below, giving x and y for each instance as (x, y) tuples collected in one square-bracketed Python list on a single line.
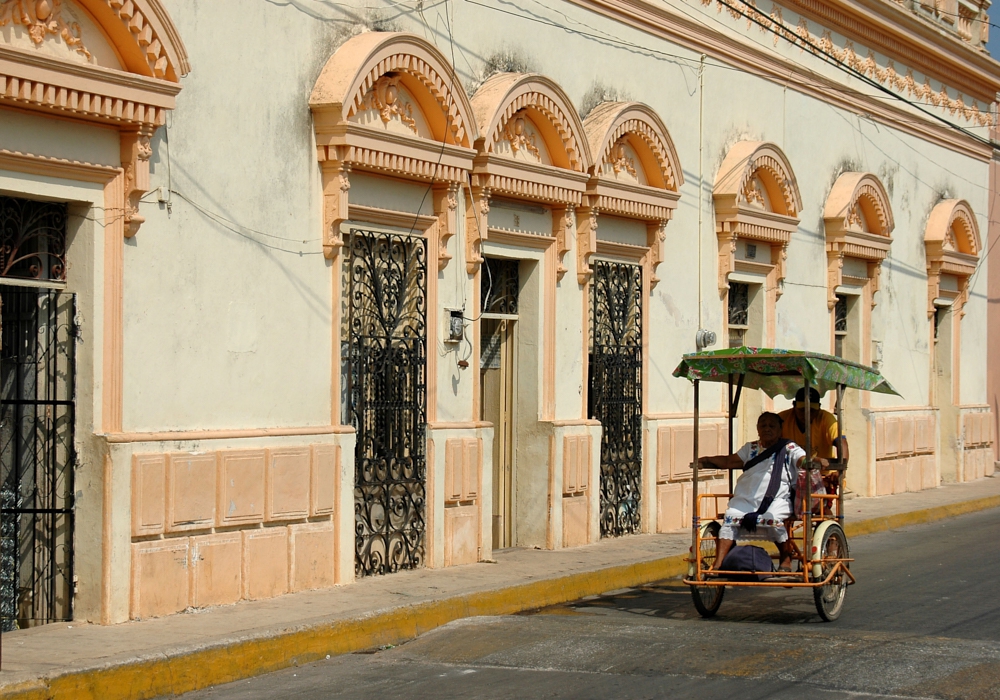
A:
[(707, 599), (830, 598)]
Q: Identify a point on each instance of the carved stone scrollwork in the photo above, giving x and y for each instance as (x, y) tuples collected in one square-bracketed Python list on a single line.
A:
[(563, 225), (476, 228), (445, 209), (586, 243), (834, 274), (336, 187), (779, 268), (656, 236), (384, 97), (135, 153), (43, 18), (727, 257)]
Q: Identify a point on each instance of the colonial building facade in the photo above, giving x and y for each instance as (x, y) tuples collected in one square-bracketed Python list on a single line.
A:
[(295, 294)]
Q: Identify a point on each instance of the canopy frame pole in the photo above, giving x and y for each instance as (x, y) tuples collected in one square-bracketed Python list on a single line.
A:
[(842, 475), (734, 402), (729, 414), (807, 516), (695, 544)]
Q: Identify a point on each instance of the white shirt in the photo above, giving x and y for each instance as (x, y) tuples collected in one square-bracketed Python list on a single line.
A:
[(752, 484)]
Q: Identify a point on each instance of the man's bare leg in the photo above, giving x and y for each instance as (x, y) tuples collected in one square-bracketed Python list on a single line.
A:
[(720, 553), (785, 551)]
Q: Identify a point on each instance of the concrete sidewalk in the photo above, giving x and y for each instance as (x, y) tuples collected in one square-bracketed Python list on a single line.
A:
[(206, 647)]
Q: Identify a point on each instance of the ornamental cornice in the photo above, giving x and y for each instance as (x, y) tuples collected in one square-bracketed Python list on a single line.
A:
[(535, 181), (37, 82), (661, 21), (902, 35), (802, 35)]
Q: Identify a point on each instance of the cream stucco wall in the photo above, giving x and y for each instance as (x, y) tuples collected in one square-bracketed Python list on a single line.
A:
[(228, 298)]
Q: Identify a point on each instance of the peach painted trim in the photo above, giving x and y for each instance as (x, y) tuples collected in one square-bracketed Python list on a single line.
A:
[(549, 336), (188, 435), (56, 167), (505, 94), (477, 334), (144, 36), (430, 501), (388, 217), (647, 289), (336, 360), (459, 425), (37, 82), (585, 326), (362, 60), (899, 409), (107, 525), (518, 238), (901, 35), (434, 330), (658, 21), (114, 306), (550, 531), (631, 253), (573, 422)]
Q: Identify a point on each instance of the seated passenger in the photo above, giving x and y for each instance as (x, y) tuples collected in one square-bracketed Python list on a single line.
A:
[(750, 514)]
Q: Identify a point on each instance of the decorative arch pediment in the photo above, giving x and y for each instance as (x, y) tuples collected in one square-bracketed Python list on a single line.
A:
[(858, 221), (106, 61), (756, 198), (390, 103), (531, 145), (636, 174), (952, 245), (356, 78), (507, 97)]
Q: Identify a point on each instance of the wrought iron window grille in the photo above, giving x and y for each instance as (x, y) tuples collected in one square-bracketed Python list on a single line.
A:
[(839, 325), (37, 456), (739, 313), (500, 286), (33, 239), (615, 391), (385, 355)]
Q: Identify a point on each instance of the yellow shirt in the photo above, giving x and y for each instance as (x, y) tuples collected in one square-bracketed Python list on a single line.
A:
[(824, 432)]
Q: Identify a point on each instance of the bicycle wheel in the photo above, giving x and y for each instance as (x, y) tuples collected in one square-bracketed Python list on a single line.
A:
[(707, 599), (830, 598)]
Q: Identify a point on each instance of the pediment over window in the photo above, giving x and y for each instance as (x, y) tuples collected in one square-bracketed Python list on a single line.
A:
[(756, 198), (389, 103), (858, 222), (97, 60), (952, 245), (636, 174), (530, 146)]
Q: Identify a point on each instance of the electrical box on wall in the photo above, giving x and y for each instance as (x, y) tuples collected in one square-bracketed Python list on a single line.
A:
[(454, 329)]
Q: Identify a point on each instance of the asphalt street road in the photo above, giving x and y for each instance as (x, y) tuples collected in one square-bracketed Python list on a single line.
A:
[(923, 621)]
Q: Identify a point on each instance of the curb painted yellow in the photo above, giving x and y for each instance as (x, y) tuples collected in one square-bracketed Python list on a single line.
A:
[(202, 668)]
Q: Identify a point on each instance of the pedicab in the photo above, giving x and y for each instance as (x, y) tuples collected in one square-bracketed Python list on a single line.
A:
[(820, 549)]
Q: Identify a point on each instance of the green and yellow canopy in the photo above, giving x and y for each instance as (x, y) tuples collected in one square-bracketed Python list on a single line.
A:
[(780, 372)]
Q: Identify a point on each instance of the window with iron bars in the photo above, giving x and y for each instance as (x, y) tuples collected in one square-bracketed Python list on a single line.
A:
[(739, 313), (839, 325)]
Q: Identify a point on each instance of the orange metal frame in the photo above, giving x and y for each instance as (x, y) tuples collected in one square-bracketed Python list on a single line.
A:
[(828, 510)]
